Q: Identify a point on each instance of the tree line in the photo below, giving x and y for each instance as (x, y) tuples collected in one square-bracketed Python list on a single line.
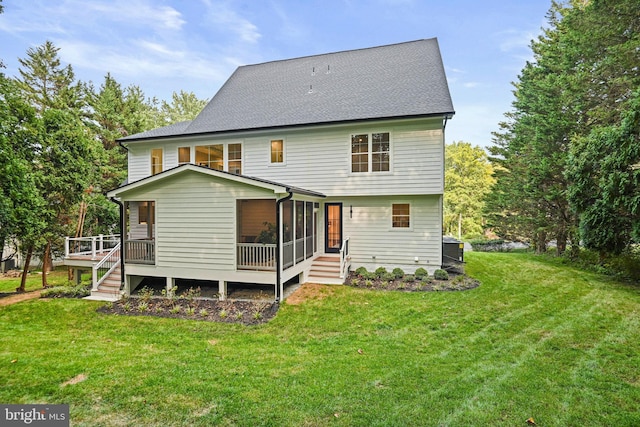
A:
[(58, 151), (567, 155)]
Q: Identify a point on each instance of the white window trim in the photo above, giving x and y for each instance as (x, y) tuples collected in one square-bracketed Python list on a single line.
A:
[(284, 152), (370, 153), (411, 217)]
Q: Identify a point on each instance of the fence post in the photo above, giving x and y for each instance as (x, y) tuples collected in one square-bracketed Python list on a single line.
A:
[(66, 247)]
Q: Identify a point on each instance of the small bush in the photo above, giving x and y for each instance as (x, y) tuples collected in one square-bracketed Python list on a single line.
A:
[(78, 291), (421, 273), (410, 278), (143, 307), (361, 271), (380, 272), (145, 294), (398, 273), (368, 283), (204, 312), (440, 274), (175, 309), (189, 311), (239, 315), (389, 277), (223, 314)]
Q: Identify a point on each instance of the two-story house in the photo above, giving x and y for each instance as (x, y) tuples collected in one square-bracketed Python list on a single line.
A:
[(295, 170)]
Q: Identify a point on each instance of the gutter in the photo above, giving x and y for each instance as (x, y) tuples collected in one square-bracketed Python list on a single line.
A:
[(278, 245), (122, 231)]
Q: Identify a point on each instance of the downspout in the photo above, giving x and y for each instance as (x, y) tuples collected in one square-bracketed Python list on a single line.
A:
[(122, 231), (278, 245)]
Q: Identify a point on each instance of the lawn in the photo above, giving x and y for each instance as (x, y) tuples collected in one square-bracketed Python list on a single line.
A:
[(537, 339), (59, 277)]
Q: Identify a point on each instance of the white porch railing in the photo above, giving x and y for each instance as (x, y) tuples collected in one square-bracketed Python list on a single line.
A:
[(92, 245), (345, 259), (256, 256), (103, 268)]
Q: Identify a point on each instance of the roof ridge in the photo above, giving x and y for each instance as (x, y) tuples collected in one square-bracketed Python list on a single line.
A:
[(335, 53)]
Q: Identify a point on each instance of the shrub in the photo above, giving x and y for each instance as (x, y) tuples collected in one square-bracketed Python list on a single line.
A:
[(190, 311), (410, 278), (440, 274), (78, 291), (145, 294), (421, 273), (204, 312), (398, 273), (389, 277), (361, 271), (223, 314), (143, 306), (175, 309), (380, 272)]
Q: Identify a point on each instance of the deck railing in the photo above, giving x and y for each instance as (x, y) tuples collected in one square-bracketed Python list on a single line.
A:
[(256, 256), (102, 269), (92, 245), (140, 252), (345, 259)]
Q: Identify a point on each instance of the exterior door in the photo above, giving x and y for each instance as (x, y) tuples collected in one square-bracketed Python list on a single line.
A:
[(333, 227)]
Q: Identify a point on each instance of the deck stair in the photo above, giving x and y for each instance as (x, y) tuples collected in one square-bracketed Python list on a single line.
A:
[(326, 270), (109, 289)]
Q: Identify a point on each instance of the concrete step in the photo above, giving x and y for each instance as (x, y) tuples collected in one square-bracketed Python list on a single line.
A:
[(102, 296)]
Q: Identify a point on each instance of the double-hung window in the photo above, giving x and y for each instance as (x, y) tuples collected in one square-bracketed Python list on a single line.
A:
[(400, 215), (370, 152), (156, 161), (277, 152)]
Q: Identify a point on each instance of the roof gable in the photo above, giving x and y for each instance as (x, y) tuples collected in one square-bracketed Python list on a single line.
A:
[(276, 187), (400, 80)]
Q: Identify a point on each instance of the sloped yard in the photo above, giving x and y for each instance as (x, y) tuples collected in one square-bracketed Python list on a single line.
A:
[(535, 340)]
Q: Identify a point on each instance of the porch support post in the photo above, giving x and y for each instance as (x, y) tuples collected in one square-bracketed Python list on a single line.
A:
[(222, 290), (170, 285), (279, 238)]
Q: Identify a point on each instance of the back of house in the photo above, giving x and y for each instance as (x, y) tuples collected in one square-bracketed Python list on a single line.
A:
[(296, 170)]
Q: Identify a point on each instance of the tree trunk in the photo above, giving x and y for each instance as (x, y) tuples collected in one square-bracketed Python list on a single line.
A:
[(561, 242), (541, 242), (25, 270), (46, 262)]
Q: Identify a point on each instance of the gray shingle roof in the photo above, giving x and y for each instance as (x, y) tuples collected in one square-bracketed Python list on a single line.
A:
[(400, 80)]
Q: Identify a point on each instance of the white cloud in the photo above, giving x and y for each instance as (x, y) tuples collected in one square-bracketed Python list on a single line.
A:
[(223, 15)]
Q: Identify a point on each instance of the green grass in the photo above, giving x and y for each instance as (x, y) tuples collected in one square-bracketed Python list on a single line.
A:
[(59, 277), (536, 339)]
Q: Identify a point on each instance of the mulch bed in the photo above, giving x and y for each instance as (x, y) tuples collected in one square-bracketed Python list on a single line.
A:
[(456, 282), (243, 312)]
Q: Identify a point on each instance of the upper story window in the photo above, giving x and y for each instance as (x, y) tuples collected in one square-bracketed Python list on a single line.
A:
[(370, 152), (235, 158), (400, 215), (156, 161), (277, 151), (211, 156), (184, 155)]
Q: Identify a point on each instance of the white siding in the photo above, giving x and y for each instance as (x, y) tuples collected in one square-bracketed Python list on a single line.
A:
[(371, 234), (195, 220), (320, 159)]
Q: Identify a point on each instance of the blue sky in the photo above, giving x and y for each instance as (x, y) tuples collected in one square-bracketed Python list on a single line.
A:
[(194, 45)]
